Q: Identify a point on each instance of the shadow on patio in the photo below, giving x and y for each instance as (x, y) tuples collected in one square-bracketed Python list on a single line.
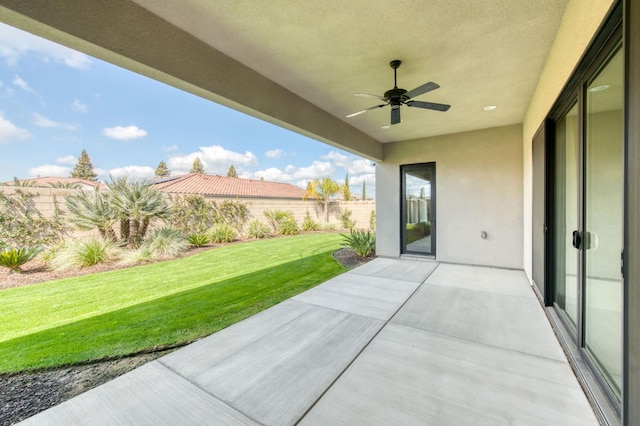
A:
[(391, 342)]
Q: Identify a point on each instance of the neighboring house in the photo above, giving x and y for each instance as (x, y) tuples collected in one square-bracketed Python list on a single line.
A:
[(537, 161), (215, 186), (259, 195)]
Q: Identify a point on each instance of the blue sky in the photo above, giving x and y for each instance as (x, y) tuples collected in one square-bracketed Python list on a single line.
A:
[(54, 102)]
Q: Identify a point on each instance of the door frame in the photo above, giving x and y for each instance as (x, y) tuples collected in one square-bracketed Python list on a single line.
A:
[(403, 208)]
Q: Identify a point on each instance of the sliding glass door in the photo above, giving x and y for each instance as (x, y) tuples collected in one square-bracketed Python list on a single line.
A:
[(588, 219)]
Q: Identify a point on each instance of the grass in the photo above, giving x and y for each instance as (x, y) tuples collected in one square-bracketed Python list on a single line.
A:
[(137, 309)]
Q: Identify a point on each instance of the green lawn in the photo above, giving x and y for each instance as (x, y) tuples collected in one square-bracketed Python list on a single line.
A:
[(152, 306)]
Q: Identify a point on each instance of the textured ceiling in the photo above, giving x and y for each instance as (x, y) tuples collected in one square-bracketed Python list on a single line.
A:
[(481, 53)]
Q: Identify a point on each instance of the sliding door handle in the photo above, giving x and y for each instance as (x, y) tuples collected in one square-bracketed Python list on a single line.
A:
[(577, 239)]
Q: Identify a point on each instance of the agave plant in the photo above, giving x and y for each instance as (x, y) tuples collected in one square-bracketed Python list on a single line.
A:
[(13, 258), (362, 241)]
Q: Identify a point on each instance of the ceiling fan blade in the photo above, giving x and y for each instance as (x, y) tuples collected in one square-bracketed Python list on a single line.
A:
[(428, 105), (365, 110), (427, 87), (395, 115), (366, 95)]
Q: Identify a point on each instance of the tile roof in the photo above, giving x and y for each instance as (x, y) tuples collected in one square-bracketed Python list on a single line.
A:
[(222, 186)]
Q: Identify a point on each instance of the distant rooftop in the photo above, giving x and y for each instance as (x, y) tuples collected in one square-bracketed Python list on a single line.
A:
[(222, 186)]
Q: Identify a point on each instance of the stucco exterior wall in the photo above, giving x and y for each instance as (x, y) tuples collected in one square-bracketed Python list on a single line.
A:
[(478, 187), (579, 25)]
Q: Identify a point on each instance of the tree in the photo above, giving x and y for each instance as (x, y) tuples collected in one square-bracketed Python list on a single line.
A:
[(232, 172), (84, 168), (364, 190), (136, 203), (132, 204), (323, 190), (346, 191), (197, 166), (162, 170)]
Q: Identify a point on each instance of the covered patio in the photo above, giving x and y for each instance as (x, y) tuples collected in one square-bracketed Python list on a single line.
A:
[(395, 341)]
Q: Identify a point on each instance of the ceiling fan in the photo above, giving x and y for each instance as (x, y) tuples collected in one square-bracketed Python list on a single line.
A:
[(397, 97)]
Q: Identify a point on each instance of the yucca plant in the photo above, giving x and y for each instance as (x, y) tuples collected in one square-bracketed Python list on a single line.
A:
[(257, 228), (198, 240), (165, 243), (289, 226), (222, 233), (362, 241), (13, 258), (82, 253), (308, 224)]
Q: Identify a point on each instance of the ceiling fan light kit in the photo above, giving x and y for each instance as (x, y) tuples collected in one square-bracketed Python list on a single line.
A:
[(397, 97)]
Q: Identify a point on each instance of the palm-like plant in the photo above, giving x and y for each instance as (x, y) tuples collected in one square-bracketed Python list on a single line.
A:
[(137, 203), (323, 189), (91, 211), (13, 258)]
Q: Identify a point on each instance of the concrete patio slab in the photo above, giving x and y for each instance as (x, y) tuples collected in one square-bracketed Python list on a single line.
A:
[(276, 377), (511, 322), (406, 270), (481, 278), (408, 376), (361, 294), (149, 395)]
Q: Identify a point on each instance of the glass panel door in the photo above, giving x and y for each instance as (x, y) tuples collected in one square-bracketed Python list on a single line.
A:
[(566, 215), (603, 204), (418, 209)]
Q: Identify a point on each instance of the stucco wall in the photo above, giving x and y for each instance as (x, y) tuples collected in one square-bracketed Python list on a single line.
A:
[(478, 186), (579, 25)]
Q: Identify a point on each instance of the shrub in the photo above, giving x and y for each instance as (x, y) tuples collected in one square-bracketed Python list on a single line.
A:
[(233, 213), (372, 220), (257, 228), (362, 241), (139, 255), (275, 218), (166, 242), (222, 233), (13, 258), (330, 227), (309, 224), (81, 253), (198, 240), (192, 214), (346, 221), (23, 225), (289, 226)]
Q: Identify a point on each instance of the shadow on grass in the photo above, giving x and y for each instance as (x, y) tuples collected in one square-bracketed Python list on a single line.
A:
[(176, 319)]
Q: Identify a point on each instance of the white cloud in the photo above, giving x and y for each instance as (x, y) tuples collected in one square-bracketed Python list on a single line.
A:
[(170, 148), (69, 159), (15, 43), (49, 170), (299, 176), (274, 153), (133, 172), (42, 121), (78, 106), (351, 165), (9, 131), (18, 81), (124, 133), (215, 159)]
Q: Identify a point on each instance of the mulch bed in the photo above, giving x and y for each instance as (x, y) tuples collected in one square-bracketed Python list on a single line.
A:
[(23, 395)]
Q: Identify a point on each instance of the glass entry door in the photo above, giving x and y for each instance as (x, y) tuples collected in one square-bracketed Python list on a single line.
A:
[(588, 220), (418, 209)]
